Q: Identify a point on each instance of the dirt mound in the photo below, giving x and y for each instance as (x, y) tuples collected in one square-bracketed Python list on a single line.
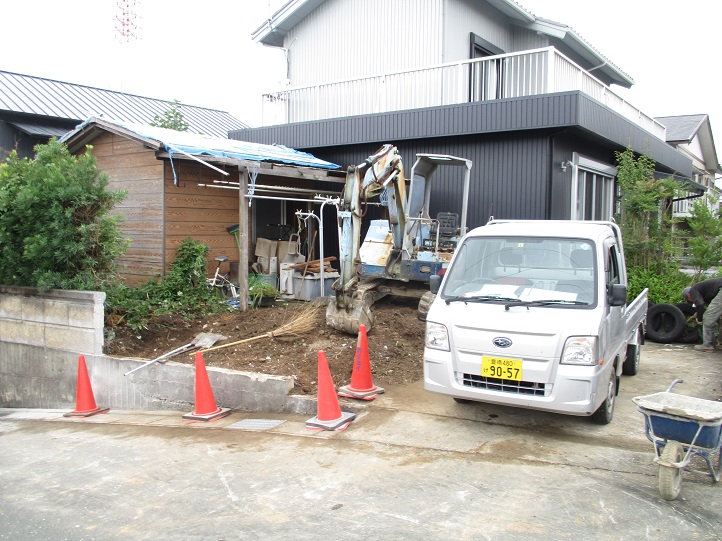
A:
[(396, 343)]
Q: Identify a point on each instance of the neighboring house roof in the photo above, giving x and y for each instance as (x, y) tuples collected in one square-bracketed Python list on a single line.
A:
[(28, 95), (683, 129), (176, 142), (273, 30)]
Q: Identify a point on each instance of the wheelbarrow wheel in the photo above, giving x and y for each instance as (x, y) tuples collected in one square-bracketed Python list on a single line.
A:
[(670, 478)]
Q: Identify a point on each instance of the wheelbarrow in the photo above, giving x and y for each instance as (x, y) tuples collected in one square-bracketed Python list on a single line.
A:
[(682, 428)]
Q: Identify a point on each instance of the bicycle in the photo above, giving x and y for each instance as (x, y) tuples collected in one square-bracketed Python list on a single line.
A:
[(220, 280)]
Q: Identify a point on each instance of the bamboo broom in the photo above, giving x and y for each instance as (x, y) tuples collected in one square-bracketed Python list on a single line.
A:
[(304, 323)]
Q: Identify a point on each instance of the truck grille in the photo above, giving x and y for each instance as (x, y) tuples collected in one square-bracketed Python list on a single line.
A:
[(507, 385)]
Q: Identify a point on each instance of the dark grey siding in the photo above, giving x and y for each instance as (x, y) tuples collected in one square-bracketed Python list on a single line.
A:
[(573, 110), (508, 177), (13, 139)]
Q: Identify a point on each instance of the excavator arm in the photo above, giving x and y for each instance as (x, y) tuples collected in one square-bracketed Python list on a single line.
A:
[(366, 181)]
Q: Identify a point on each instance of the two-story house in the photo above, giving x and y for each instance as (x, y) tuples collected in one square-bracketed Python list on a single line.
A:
[(692, 135), (528, 100)]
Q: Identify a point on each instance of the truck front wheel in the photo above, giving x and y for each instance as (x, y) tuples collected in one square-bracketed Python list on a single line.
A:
[(605, 413)]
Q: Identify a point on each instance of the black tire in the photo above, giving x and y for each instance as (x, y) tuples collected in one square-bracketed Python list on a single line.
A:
[(424, 305), (692, 334), (634, 353), (605, 413), (665, 323)]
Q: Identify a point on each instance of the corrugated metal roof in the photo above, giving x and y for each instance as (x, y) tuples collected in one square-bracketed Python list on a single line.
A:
[(38, 129), (48, 98), (176, 142)]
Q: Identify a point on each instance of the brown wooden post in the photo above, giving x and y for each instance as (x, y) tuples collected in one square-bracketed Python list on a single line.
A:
[(243, 238)]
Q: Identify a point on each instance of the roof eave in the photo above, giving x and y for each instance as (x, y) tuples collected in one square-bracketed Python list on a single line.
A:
[(94, 126), (273, 30), (569, 37)]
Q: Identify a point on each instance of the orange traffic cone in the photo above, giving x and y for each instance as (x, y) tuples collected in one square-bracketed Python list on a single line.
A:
[(329, 415), (84, 399), (362, 385), (205, 403)]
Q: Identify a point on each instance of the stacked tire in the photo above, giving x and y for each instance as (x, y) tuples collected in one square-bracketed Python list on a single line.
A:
[(667, 323)]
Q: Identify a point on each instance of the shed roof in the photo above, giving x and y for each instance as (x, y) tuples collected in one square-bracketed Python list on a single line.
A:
[(176, 142), (40, 97)]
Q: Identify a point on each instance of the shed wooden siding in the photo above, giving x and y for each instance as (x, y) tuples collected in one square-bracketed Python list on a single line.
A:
[(199, 212), (132, 167)]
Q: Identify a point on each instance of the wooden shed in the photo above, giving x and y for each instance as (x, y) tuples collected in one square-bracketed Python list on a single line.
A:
[(185, 185)]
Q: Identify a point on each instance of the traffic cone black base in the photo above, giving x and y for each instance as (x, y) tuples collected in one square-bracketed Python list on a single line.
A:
[(337, 424), (347, 392), (222, 412)]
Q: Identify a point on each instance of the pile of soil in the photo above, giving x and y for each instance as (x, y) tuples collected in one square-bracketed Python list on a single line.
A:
[(395, 343)]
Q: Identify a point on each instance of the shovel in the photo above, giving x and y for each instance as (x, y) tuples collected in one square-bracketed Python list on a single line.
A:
[(201, 340)]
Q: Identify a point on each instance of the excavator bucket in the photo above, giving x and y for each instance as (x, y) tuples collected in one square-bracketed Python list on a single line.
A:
[(348, 321)]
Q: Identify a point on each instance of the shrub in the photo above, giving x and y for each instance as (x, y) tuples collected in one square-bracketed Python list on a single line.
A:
[(55, 226), (183, 291)]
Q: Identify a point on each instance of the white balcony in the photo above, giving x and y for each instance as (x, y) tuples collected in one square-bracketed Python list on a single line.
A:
[(527, 73)]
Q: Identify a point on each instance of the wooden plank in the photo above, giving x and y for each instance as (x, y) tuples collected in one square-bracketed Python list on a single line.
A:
[(219, 216), (243, 247)]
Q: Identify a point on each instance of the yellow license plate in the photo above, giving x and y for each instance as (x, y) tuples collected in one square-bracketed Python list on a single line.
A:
[(501, 368)]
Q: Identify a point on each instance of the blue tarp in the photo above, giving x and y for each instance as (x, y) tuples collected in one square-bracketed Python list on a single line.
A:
[(201, 145)]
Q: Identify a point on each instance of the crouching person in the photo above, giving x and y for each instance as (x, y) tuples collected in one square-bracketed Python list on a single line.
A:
[(707, 299)]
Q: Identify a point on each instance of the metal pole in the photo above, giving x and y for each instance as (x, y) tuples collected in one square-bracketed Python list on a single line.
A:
[(334, 200)]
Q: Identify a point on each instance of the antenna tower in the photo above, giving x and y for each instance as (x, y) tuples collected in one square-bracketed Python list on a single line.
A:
[(126, 25)]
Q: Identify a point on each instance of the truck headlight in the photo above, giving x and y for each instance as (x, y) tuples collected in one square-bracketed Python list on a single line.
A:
[(436, 336), (580, 350)]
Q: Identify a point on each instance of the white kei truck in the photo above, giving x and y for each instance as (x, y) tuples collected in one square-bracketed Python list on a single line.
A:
[(533, 314)]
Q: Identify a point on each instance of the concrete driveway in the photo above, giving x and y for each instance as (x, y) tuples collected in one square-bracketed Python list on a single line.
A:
[(412, 465)]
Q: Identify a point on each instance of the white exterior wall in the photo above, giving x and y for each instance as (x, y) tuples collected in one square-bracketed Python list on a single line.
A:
[(465, 16), (461, 17), (344, 39)]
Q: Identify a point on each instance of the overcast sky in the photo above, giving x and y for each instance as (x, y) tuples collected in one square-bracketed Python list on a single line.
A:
[(202, 54)]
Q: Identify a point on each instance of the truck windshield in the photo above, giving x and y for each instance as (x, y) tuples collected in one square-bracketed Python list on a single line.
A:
[(554, 272)]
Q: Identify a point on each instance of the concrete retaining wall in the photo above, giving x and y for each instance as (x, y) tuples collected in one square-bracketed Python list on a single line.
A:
[(43, 333)]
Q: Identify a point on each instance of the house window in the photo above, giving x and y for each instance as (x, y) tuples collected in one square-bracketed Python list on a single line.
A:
[(486, 78), (592, 189)]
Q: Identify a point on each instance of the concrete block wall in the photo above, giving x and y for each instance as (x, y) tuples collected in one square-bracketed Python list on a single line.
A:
[(60, 320), (42, 334)]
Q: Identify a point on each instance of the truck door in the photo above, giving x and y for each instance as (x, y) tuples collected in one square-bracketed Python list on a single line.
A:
[(614, 315)]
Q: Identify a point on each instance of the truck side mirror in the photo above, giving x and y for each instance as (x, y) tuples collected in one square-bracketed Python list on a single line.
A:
[(617, 295), (435, 283)]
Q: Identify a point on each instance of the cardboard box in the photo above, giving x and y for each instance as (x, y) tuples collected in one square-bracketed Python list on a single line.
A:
[(266, 248)]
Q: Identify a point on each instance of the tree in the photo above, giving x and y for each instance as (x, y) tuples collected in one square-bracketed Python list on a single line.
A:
[(705, 247), (55, 226), (645, 218), (171, 119)]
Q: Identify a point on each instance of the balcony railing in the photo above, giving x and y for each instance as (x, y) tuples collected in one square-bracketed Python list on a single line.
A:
[(527, 73)]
